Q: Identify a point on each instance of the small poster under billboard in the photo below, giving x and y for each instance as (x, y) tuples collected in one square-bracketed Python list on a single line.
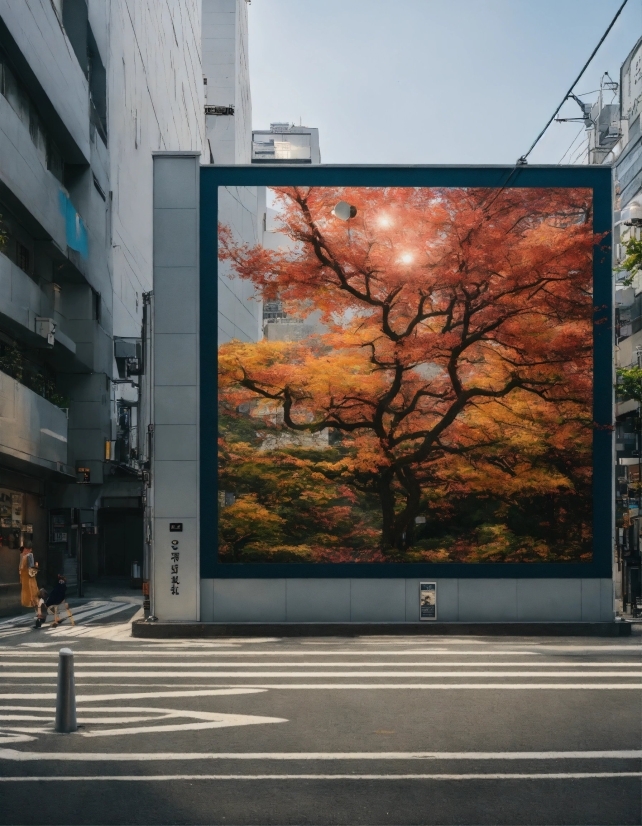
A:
[(428, 600)]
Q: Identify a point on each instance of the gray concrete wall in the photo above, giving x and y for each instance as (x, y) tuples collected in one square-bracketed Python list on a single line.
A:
[(225, 66), (175, 478), (397, 600)]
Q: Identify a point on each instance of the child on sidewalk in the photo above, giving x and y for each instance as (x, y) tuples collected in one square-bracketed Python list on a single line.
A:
[(41, 608)]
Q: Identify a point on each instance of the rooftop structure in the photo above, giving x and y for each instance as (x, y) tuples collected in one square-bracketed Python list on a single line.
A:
[(285, 143)]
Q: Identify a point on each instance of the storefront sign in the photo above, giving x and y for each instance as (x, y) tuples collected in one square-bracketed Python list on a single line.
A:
[(174, 560)]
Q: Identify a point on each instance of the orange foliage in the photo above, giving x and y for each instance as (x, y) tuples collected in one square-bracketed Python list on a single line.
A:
[(456, 356)]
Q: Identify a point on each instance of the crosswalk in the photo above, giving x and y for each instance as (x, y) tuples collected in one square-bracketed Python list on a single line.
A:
[(412, 665), (363, 721), (88, 617), (269, 711)]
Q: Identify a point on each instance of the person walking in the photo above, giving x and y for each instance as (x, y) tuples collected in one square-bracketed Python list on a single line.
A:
[(27, 570)]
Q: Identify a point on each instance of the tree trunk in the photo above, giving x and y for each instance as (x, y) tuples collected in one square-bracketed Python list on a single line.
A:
[(398, 529), (387, 500), (406, 518)]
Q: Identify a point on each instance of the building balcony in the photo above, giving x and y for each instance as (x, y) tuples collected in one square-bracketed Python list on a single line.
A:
[(33, 431)]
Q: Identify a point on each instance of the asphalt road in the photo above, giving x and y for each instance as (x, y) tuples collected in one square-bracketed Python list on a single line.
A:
[(320, 731)]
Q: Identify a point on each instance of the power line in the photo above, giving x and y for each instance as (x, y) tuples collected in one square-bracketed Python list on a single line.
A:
[(571, 146), (577, 159), (524, 157)]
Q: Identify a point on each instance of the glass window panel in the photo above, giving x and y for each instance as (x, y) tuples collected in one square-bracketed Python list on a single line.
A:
[(282, 146)]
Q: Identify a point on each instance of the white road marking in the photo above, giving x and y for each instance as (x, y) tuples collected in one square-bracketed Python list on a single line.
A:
[(192, 777), (448, 686), (149, 715), (136, 695), (237, 651), (79, 659), (218, 721), (244, 689), (143, 757), (147, 652), (84, 675), (14, 737)]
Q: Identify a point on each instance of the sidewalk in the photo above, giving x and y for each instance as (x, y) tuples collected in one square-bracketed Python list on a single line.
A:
[(116, 589)]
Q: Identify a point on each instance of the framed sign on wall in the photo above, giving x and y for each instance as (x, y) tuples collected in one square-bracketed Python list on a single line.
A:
[(427, 600), (428, 391)]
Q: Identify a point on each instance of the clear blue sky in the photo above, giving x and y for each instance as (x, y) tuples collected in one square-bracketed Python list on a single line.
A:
[(431, 81)]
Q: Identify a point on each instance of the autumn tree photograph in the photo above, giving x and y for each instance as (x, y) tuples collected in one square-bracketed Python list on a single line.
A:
[(422, 387)]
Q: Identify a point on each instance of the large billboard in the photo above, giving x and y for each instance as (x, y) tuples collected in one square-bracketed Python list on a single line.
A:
[(421, 391)]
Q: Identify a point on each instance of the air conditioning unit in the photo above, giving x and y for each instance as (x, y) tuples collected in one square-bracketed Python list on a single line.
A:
[(46, 327)]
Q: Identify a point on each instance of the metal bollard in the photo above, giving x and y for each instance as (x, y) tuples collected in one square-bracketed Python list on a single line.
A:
[(66, 697)]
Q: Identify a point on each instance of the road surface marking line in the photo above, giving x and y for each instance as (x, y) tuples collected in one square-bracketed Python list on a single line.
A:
[(229, 720), (171, 777), (156, 653), (136, 695), (249, 689), (99, 675), (637, 667), (452, 686), (26, 756)]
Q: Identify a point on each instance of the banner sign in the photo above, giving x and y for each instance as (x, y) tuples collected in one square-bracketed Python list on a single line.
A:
[(414, 383)]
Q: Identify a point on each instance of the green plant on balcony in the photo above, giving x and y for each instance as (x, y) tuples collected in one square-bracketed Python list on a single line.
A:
[(629, 383), (12, 362), (59, 400), (4, 238), (34, 376), (633, 261)]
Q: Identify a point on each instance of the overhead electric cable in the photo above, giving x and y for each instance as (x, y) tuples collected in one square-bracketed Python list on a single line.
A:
[(524, 157), (571, 146)]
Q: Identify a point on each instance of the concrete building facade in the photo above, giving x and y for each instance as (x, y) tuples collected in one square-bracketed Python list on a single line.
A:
[(228, 126), (617, 139), (285, 143), (88, 90)]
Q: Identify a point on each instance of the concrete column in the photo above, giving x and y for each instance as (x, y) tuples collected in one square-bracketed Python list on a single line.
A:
[(175, 454)]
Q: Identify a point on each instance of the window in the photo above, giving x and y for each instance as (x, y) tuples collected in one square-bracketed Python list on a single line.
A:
[(281, 147), (99, 188), (55, 163), (37, 132), (74, 19), (19, 100), (96, 305), (97, 87), (14, 92), (23, 257)]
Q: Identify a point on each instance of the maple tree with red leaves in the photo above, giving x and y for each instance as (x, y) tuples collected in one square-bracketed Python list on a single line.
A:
[(455, 353)]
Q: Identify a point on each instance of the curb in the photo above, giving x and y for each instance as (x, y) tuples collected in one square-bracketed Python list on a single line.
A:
[(183, 630)]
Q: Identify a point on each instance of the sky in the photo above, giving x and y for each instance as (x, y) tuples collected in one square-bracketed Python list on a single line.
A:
[(433, 81)]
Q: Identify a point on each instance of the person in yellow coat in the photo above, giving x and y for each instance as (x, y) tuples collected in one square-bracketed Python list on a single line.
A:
[(29, 590)]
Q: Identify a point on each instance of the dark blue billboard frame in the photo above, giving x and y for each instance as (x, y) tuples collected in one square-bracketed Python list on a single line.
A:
[(597, 178)]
